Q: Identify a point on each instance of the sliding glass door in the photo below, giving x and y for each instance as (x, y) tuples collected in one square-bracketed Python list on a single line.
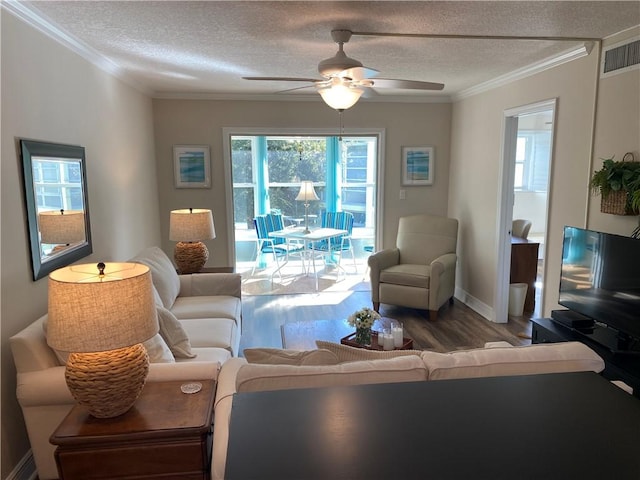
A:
[(267, 171)]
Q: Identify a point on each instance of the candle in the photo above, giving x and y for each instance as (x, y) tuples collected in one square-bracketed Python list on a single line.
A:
[(396, 332), (388, 340)]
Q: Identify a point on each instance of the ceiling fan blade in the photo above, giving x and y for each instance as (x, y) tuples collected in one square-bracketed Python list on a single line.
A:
[(358, 73), (369, 92), (406, 84), (284, 79), (294, 89)]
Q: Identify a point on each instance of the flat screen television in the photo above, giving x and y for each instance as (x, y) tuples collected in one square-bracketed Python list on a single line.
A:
[(600, 280)]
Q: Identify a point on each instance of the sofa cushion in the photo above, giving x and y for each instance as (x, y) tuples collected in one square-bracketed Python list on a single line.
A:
[(207, 354), (254, 377), (172, 332), (277, 356), (204, 306), (345, 353), (163, 273), (407, 274), (501, 361), (210, 332)]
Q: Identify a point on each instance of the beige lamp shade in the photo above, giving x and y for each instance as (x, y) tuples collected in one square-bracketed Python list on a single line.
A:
[(339, 95), (61, 226), (307, 192), (191, 225), (93, 312)]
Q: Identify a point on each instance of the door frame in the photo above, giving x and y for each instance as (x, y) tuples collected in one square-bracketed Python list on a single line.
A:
[(506, 199)]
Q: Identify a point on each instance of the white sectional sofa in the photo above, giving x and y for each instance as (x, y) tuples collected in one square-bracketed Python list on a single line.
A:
[(200, 318), (339, 365)]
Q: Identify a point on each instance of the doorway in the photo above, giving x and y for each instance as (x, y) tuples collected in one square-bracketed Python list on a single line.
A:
[(266, 171), (526, 167)]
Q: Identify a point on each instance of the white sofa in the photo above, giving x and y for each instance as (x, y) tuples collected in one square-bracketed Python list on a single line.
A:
[(338, 365), (200, 316)]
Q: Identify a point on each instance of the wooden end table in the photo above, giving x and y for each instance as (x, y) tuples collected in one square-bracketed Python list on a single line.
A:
[(167, 434)]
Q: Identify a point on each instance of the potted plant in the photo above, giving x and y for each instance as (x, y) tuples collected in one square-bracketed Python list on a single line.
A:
[(618, 182)]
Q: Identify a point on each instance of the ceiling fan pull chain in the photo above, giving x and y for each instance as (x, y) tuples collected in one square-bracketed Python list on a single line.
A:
[(340, 124)]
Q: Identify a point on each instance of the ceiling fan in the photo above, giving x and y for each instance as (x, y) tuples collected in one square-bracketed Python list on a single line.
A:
[(345, 79)]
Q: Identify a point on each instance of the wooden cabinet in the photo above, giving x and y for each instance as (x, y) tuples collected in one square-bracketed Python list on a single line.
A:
[(167, 434), (524, 268)]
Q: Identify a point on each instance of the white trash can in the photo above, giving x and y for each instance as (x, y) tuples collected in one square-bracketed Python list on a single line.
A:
[(517, 296)]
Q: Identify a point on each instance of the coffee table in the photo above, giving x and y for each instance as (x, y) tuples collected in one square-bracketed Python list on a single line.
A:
[(303, 335)]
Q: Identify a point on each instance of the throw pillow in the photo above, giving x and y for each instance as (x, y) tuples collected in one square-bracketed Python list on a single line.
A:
[(345, 353), (163, 274), (174, 334), (276, 356), (158, 350)]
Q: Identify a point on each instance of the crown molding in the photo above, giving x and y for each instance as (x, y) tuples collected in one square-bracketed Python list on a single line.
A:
[(35, 19), (534, 68)]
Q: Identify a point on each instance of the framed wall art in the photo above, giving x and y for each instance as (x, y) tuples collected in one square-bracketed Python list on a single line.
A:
[(417, 166), (192, 166)]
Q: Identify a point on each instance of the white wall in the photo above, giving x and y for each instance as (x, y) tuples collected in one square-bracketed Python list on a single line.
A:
[(617, 132), (531, 206), (612, 126), (201, 122), (51, 94), (475, 165)]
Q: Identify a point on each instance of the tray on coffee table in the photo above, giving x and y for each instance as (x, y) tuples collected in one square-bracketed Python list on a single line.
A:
[(407, 343)]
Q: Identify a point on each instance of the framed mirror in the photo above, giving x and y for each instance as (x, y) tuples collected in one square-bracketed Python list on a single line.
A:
[(55, 192)]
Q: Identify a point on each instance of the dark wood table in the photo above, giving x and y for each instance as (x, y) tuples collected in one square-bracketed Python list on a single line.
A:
[(167, 434), (554, 426), (524, 268)]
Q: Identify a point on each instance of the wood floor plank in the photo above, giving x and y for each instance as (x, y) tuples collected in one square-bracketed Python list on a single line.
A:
[(457, 327)]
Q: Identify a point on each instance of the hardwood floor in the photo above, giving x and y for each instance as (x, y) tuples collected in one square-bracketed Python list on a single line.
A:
[(458, 326)]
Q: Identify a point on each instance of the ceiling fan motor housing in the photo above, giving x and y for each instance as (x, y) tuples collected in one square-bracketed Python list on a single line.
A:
[(331, 67)]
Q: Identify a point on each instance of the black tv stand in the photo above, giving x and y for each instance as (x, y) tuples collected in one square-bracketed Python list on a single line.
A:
[(619, 343), (620, 364)]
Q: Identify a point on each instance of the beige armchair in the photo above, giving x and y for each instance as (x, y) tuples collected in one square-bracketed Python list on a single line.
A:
[(420, 271), (520, 228)]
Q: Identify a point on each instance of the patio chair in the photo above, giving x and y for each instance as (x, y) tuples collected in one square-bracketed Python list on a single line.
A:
[(278, 247), (337, 245)]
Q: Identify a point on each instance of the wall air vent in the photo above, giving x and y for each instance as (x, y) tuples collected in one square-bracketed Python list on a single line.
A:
[(621, 57)]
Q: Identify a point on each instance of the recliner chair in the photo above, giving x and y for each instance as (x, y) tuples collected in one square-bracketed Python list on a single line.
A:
[(420, 271)]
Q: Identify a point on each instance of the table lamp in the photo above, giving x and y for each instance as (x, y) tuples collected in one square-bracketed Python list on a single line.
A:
[(61, 227), (188, 227), (101, 314), (306, 194)]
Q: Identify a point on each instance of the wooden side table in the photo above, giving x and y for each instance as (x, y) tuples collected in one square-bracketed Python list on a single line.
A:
[(167, 434)]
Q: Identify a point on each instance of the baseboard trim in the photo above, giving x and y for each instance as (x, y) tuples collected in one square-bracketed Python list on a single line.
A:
[(25, 469), (476, 305)]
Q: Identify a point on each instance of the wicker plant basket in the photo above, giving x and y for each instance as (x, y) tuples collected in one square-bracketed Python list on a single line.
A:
[(616, 203)]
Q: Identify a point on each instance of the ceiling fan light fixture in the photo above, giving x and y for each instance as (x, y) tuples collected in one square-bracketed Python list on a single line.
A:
[(340, 96)]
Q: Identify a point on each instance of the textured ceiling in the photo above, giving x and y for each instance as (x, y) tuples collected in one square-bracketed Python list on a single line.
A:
[(204, 48)]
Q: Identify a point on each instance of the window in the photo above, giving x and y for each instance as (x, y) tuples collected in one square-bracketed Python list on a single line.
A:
[(532, 160), (267, 172)]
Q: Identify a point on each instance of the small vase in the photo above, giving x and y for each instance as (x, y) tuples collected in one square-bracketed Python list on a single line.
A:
[(363, 336)]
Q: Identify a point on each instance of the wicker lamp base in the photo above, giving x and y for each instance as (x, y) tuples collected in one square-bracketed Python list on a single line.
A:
[(108, 383), (190, 257)]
